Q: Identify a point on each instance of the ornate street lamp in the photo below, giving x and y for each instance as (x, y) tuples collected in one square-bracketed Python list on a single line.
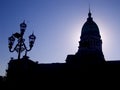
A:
[(20, 46)]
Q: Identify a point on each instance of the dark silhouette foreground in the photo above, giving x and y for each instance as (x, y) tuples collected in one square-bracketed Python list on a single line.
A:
[(26, 73)]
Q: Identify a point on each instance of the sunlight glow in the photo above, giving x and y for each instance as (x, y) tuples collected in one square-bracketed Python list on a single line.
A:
[(106, 39), (75, 38)]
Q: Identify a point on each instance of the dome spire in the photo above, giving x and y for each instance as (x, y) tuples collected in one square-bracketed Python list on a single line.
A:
[(89, 14)]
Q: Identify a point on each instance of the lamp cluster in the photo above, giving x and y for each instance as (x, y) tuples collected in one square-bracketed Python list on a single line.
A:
[(20, 46)]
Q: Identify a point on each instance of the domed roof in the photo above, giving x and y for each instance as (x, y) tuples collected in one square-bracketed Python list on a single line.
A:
[(90, 28)]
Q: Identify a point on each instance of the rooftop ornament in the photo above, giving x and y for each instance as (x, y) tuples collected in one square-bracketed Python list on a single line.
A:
[(20, 46)]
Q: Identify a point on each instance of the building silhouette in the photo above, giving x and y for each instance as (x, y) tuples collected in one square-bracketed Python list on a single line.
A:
[(86, 67), (90, 46)]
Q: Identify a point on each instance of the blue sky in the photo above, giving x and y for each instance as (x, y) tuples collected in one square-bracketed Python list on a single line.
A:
[(57, 25)]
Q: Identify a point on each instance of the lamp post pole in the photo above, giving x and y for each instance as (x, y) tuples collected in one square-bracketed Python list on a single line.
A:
[(20, 46)]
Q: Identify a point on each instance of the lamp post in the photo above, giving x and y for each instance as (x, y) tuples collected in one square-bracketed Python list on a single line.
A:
[(20, 46)]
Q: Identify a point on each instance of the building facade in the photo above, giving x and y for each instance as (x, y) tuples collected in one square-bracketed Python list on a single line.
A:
[(90, 45)]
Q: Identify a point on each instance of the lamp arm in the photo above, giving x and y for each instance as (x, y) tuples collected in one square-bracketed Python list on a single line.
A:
[(26, 47), (13, 49), (27, 50)]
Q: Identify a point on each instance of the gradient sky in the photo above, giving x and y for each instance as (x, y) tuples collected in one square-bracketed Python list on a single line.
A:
[(57, 25)]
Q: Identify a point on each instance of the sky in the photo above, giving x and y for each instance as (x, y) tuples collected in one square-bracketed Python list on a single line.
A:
[(57, 25)]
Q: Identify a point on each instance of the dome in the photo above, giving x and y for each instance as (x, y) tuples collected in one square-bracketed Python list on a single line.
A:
[(90, 28)]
